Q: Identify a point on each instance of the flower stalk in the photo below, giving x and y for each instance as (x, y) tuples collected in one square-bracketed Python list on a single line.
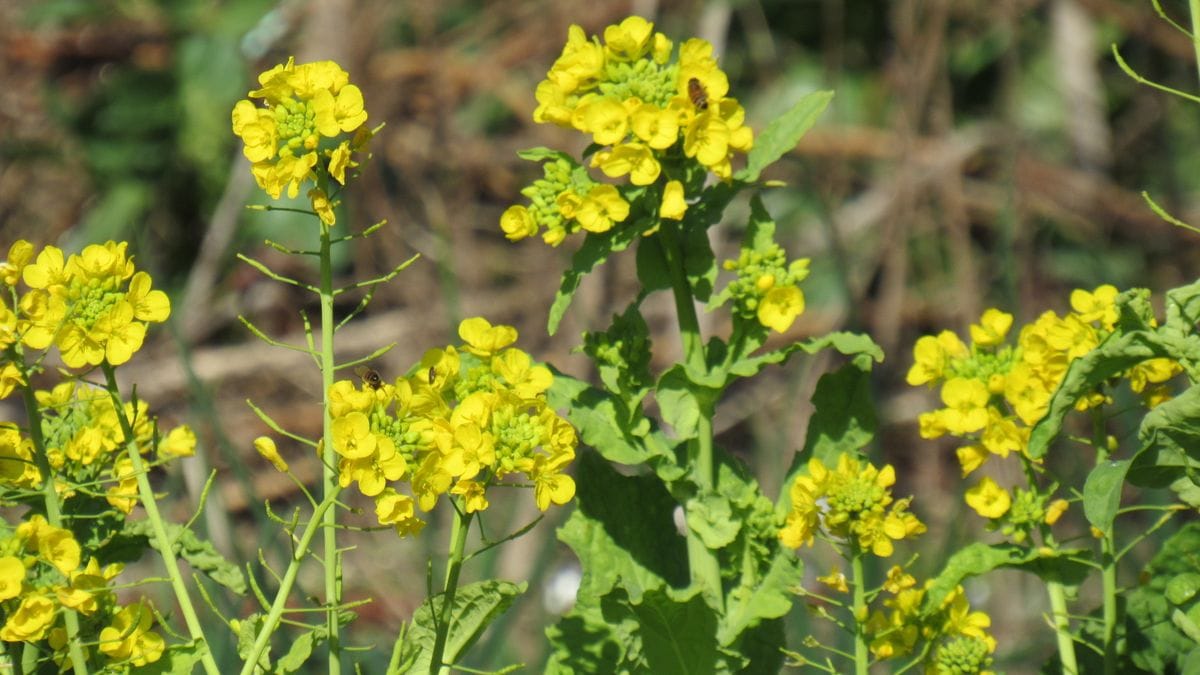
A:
[(329, 479), (458, 545), (862, 657)]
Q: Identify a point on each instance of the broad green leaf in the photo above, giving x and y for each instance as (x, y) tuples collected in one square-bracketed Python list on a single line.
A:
[(475, 607), (980, 558), (843, 420), (678, 632), (178, 659), (299, 652), (591, 254), (652, 271), (782, 134), (1102, 493), (248, 629), (603, 423), (683, 401), (1155, 642), (623, 532), (711, 517), (1174, 424), (770, 598), (699, 263), (201, 555), (1117, 353), (596, 636), (850, 344)]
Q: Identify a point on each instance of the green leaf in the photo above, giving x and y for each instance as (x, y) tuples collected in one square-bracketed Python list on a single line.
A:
[(652, 272), (591, 254), (596, 636), (1102, 493), (782, 134), (475, 607), (770, 598), (201, 555), (678, 632), (699, 263), (1155, 642), (603, 423), (623, 532), (843, 420), (980, 558), (542, 154), (682, 401), (298, 653), (248, 629), (1174, 425), (711, 517), (850, 344), (1116, 354)]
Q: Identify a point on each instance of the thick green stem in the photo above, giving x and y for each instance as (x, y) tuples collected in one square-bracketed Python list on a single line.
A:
[(53, 515), (458, 544), (329, 482), (285, 586), (1062, 627), (862, 657), (162, 541), (1194, 10), (705, 568), (1108, 559)]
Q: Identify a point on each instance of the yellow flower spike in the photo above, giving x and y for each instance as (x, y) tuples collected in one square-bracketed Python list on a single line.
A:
[(19, 255), (992, 328), (483, 339), (988, 499), (673, 204), (265, 445), (1055, 511), (780, 306), (180, 442), (12, 576)]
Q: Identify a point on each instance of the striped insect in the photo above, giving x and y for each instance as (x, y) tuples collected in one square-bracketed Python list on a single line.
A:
[(697, 93)]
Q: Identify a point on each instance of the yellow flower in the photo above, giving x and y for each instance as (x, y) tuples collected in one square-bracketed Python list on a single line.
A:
[(601, 209), (633, 159), (780, 307), (657, 127), (1098, 305), (265, 445), (549, 484), (835, 580), (971, 457), (898, 580), (932, 355), (518, 223), (19, 255), (992, 328), (629, 40), (129, 637), (391, 507), (707, 139), (12, 575), (180, 442), (124, 494), (524, 379), (1055, 511), (352, 437), (473, 495), (483, 339), (673, 204), (581, 62), (966, 405), (31, 620), (58, 547), (988, 499), (323, 207), (605, 118)]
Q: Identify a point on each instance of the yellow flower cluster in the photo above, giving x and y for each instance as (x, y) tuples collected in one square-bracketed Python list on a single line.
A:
[(41, 574), (564, 201), (468, 418), (93, 306), (767, 286), (959, 635), (853, 501), (643, 110), (994, 392), (305, 104)]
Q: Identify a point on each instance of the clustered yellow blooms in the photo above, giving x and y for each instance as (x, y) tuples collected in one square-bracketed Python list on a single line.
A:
[(642, 110), (853, 502), (961, 643), (304, 105), (994, 392), (93, 306), (42, 573), (767, 286), (465, 420)]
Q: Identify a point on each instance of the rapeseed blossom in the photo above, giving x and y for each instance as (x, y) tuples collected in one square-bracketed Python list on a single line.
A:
[(301, 132), (653, 113)]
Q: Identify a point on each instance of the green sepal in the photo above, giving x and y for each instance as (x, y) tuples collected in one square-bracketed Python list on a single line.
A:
[(783, 133), (475, 607)]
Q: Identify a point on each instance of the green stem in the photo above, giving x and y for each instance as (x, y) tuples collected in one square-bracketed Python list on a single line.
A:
[(53, 512), (1108, 559), (862, 657), (1062, 627), (1194, 10), (329, 483), (458, 544), (705, 568), (285, 585), (162, 540)]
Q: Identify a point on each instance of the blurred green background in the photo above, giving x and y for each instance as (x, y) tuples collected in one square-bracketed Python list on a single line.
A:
[(978, 153)]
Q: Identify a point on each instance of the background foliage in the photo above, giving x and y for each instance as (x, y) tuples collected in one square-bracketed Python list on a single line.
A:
[(977, 153)]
